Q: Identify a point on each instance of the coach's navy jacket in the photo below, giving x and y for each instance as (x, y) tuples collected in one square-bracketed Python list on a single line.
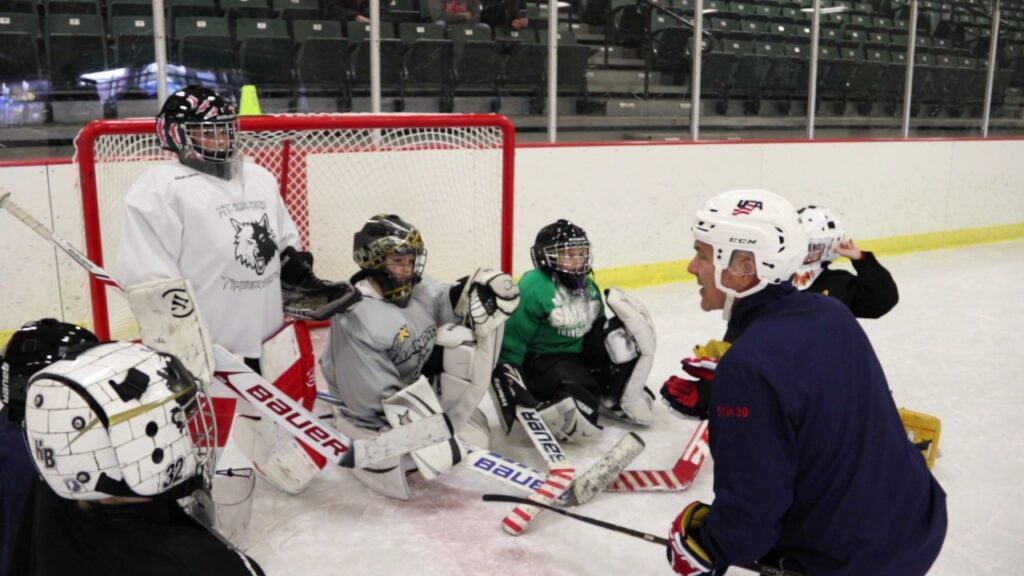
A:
[(810, 454)]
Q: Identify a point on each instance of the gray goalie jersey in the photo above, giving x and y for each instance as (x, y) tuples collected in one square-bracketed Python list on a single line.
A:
[(377, 348)]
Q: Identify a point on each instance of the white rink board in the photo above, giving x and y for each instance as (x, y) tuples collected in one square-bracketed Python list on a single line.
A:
[(635, 201)]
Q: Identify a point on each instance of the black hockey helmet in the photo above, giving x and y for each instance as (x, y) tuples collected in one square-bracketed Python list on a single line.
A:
[(201, 126), (33, 347), (382, 235), (563, 250)]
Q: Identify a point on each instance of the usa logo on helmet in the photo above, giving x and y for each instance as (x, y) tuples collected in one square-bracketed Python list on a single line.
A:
[(747, 206)]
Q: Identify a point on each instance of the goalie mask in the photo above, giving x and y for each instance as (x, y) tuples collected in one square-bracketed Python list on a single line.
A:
[(391, 252), (34, 347), (824, 235), (755, 221), (120, 419), (202, 128), (563, 251)]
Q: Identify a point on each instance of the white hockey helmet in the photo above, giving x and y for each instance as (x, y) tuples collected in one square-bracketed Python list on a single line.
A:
[(756, 221), (824, 234), (120, 419)]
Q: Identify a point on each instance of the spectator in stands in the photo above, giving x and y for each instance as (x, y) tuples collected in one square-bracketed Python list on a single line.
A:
[(347, 10), (505, 14), (456, 12)]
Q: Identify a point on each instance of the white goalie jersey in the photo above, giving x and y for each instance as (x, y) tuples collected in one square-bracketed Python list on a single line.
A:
[(223, 236)]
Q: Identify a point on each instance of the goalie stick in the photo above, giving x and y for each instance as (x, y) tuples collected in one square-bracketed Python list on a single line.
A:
[(269, 400), (522, 477), (560, 477), (763, 569), (678, 478)]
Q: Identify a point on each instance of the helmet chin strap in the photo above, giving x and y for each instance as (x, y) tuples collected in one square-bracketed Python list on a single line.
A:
[(732, 295)]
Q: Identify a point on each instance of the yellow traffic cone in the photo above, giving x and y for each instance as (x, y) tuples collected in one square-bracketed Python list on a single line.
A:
[(249, 103)]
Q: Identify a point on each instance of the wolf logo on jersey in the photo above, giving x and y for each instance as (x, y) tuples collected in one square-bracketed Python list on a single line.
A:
[(255, 243)]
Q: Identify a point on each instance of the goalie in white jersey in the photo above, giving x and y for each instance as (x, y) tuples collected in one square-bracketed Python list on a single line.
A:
[(219, 223), (406, 330)]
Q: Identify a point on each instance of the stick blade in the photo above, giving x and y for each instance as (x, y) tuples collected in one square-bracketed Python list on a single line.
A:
[(398, 441), (606, 470)]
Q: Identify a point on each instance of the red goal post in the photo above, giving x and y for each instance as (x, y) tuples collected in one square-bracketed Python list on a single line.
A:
[(449, 174)]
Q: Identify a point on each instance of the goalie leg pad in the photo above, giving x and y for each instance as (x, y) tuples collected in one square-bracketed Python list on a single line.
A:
[(386, 478), (232, 494), (570, 419), (282, 460), (477, 432), (636, 401), (412, 403), (170, 321), (467, 371)]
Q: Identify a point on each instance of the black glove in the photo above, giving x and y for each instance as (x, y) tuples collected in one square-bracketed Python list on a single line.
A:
[(509, 390), (299, 281)]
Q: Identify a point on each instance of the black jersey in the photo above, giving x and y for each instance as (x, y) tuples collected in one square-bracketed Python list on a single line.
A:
[(152, 538), (870, 293)]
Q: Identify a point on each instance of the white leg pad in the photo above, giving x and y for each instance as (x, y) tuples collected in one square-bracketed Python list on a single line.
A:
[(233, 494), (386, 478), (636, 402), (412, 403)]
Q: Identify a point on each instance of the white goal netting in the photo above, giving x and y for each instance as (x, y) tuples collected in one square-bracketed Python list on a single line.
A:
[(450, 175)]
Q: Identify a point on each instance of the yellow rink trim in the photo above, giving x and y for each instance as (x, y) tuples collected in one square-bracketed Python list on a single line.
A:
[(668, 272), (675, 271)]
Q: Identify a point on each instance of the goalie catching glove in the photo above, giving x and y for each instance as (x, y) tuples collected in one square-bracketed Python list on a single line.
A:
[(685, 552), (308, 297), (488, 298)]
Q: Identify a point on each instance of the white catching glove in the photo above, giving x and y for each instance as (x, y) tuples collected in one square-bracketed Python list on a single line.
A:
[(487, 300)]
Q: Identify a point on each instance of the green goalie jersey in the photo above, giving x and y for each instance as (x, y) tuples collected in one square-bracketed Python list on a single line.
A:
[(550, 319)]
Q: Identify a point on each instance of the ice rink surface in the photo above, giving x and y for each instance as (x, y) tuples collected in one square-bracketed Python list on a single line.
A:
[(953, 347)]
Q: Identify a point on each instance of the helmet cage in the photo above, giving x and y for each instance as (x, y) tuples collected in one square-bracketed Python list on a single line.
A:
[(200, 140), (372, 258), (120, 419)]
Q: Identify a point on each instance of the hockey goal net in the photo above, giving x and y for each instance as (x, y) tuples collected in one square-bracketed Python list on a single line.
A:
[(450, 175)]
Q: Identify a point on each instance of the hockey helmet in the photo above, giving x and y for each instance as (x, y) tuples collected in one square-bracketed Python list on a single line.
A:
[(562, 250), (201, 126), (33, 347), (756, 221), (824, 235), (384, 235), (120, 419)]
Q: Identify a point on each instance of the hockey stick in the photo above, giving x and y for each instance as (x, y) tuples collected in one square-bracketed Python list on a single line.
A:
[(522, 477), (268, 399), (757, 567), (679, 478), (560, 477), (303, 309), (99, 273), (600, 474), (326, 441)]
